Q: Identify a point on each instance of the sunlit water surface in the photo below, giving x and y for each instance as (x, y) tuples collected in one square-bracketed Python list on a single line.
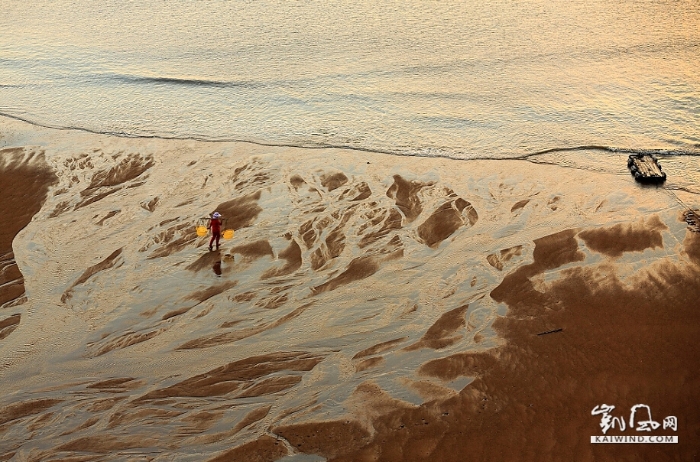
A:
[(453, 78)]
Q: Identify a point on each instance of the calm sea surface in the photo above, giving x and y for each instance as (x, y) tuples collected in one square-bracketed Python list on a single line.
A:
[(455, 78)]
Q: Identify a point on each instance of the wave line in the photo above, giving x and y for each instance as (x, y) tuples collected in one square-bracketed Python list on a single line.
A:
[(524, 156), (180, 81)]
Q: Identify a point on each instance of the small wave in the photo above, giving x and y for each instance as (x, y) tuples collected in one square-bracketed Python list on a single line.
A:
[(430, 152), (179, 81), (122, 134), (618, 150)]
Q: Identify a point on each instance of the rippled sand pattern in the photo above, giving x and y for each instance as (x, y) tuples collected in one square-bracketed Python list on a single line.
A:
[(366, 309)]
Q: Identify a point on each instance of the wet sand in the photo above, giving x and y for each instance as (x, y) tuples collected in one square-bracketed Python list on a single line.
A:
[(587, 339), (24, 182), (368, 308)]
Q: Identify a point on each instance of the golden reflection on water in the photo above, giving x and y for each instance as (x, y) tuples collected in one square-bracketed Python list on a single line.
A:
[(451, 78)]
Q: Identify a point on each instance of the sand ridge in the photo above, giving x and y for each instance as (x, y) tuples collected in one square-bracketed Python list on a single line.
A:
[(26, 178)]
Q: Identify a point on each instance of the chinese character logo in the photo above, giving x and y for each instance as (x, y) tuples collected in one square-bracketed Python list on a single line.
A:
[(607, 421), (671, 422), (640, 419), (643, 426)]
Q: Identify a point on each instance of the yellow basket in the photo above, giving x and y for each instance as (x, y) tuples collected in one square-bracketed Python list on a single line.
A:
[(201, 231), (228, 234)]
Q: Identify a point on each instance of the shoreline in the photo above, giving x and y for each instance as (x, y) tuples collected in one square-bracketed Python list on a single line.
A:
[(364, 311), (614, 150)]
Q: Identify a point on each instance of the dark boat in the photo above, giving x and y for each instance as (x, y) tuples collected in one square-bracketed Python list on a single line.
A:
[(646, 168)]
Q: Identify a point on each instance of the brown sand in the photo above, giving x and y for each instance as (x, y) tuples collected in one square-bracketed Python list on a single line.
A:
[(9, 324), (239, 374), (128, 339), (18, 410), (105, 264), (444, 222), (240, 213), (232, 336), (332, 181), (532, 398), (376, 349), (504, 256), (359, 315), (263, 449), (442, 333), (292, 255), (24, 182), (616, 240)]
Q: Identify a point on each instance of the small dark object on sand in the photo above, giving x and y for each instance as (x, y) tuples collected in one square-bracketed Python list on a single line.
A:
[(551, 331), (646, 168)]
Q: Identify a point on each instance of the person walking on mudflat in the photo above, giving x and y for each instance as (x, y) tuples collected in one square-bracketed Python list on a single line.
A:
[(215, 227)]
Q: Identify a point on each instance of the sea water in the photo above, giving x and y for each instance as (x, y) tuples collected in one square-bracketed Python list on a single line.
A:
[(461, 79)]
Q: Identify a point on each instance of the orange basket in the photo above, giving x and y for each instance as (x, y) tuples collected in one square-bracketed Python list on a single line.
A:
[(201, 227)]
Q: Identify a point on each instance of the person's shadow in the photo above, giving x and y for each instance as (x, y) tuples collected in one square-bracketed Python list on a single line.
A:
[(211, 260)]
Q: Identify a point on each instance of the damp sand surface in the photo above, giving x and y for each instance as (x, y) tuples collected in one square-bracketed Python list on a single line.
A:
[(24, 181), (369, 307)]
